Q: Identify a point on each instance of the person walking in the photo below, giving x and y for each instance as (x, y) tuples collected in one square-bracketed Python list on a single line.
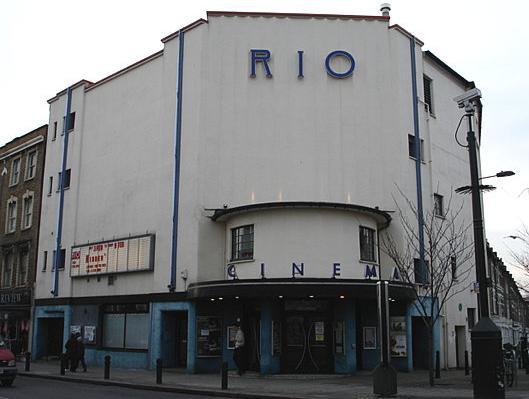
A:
[(238, 353), (81, 350), (72, 352)]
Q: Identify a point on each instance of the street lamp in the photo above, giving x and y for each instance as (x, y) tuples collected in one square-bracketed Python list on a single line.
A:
[(484, 187), (487, 361)]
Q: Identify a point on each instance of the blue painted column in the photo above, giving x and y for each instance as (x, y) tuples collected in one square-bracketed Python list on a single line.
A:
[(191, 338), (350, 337), (409, 336), (266, 337), (60, 208), (176, 166)]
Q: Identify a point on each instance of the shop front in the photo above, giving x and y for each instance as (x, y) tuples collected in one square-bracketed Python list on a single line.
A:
[(15, 318)]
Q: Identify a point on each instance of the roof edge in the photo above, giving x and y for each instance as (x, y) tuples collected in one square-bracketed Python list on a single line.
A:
[(400, 29), (293, 15), (82, 82), (24, 135), (468, 84), (124, 70), (222, 213), (192, 25)]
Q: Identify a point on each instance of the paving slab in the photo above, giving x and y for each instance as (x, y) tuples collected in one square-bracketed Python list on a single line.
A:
[(453, 384)]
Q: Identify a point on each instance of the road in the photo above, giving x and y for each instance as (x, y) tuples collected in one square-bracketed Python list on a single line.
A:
[(39, 388)]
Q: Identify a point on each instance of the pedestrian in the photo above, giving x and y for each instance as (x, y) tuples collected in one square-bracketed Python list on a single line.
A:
[(72, 352), (81, 350), (238, 353)]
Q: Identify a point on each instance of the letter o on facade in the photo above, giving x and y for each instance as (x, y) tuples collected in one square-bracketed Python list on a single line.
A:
[(339, 53)]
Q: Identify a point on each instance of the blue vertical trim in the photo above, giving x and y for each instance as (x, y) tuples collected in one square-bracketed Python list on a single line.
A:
[(177, 142), (418, 153), (57, 260), (266, 337)]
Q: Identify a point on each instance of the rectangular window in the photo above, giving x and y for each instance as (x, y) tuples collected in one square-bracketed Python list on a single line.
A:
[(421, 272), (27, 215), (54, 135), (242, 243), (44, 261), (11, 222), (438, 208), (453, 264), (22, 272), (50, 185), (66, 180), (61, 261), (428, 94), (367, 244), (7, 269), (31, 165), (15, 172), (126, 326), (471, 317), (71, 121), (412, 151)]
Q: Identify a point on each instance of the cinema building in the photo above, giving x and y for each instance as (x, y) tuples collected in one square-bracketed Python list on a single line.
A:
[(248, 171)]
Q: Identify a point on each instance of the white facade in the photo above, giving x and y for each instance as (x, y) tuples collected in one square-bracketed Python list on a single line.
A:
[(255, 140)]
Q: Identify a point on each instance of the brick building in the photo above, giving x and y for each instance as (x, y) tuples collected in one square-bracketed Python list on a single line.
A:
[(21, 172)]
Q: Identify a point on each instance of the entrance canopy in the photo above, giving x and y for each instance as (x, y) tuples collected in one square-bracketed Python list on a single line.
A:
[(296, 288)]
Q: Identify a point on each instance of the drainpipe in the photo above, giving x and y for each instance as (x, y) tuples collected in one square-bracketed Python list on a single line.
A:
[(176, 170), (65, 129), (418, 153)]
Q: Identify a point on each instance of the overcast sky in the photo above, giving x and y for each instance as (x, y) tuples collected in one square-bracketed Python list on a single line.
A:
[(47, 45)]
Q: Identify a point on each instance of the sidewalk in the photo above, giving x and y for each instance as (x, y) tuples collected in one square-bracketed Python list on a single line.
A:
[(453, 384)]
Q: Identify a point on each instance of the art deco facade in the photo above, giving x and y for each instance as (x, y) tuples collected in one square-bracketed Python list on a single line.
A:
[(247, 171)]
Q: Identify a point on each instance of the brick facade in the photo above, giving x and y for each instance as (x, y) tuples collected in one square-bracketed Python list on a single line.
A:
[(21, 180)]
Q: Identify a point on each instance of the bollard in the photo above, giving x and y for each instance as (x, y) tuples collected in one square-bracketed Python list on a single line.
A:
[(107, 367), (28, 360), (224, 375), (467, 371), (62, 362), (158, 371), (437, 365)]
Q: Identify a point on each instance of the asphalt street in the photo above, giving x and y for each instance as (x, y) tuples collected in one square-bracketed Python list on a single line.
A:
[(38, 388)]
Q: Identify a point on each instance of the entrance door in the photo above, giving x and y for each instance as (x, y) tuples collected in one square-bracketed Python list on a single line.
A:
[(181, 339), (174, 339), (251, 326), (308, 344), (420, 343), (53, 331), (461, 346)]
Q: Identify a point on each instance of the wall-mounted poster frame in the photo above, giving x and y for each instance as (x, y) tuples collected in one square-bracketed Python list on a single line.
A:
[(339, 337), (231, 333), (209, 336), (370, 337)]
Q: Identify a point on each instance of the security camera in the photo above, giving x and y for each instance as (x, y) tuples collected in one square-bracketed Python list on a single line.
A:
[(467, 97)]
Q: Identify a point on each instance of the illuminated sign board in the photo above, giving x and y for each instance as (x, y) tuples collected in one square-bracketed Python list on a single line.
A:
[(131, 254)]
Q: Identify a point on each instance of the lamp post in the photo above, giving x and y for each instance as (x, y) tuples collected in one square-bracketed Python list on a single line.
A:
[(487, 361)]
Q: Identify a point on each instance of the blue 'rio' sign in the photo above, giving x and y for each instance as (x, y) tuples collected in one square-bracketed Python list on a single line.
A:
[(263, 56)]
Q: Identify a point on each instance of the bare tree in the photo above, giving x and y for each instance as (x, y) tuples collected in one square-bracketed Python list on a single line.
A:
[(520, 257), (446, 267)]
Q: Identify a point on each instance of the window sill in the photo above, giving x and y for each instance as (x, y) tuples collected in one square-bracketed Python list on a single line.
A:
[(11, 232), (371, 262), (440, 216), (29, 178), (58, 191), (25, 228), (233, 262), (415, 159), (104, 348), (12, 184)]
